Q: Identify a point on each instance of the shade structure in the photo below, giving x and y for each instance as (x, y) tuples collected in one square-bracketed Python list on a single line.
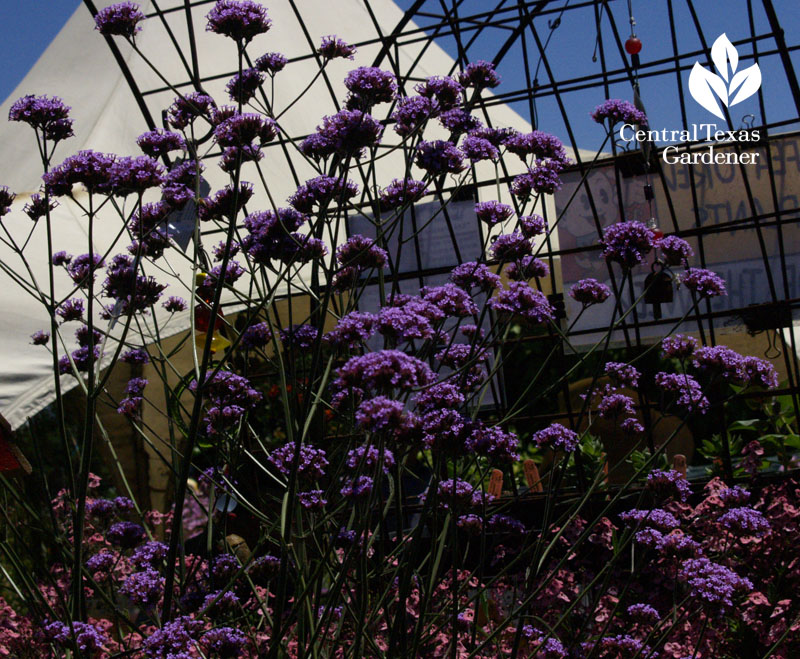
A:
[(79, 68)]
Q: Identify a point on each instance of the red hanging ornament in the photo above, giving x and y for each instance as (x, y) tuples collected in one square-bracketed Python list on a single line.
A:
[(633, 46)]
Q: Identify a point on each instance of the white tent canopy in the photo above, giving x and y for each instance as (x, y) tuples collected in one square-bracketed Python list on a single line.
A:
[(78, 67)]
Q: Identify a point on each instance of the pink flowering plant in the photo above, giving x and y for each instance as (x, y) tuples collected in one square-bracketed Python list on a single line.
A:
[(332, 471)]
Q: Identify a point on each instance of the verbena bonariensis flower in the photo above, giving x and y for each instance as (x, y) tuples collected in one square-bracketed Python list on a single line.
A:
[(532, 225), (6, 199), (175, 640), (135, 174), (241, 130), (88, 638), (543, 178), (452, 300), (185, 109), (321, 191), (669, 484), (624, 374), (379, 413), (149, 555), (528, 267), (48, 115), (745, 521), (156, 143), (589, 291), (712, 582), (457, 121), (734, 496), (537, 143), (457, 355), (614, 405), (544, 647), (643, 613), (61, 258), (271, 63), (690, 394), (446, 91), (125, 535), (703, 282), (760, 372), (442, 395), (405, 323), (135, 292), (226, 203), (312, 500), (81, 358), (369, 85), (38, 207), (333, 47), (471, 275), (679, 346), (411, 112), (493, 442), (102, 562), (361, 252), (368, 457), (358, 487), (478, 148), (621, 645), (440, 157), (121, 19), (455, 494), (349, 132), (271, 235), (311, 462), (317, 146), (243, 86), (71, 309), (241, 20), (352, 330), (511, 247), (497, 136), (479, 75), (224, 642), (382, 371), (721, 361), (143, 588), (256, 336), (627, 243), (520, 299), (299, 337), (174, 304), (618, 110), (493, 212), (230, 397), (401, 192), (40, 338), (676, 250), (82, 268), (656, 518), (89, 168), (556, 437)]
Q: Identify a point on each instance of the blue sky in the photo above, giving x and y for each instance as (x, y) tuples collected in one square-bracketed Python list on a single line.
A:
[(27, 27)]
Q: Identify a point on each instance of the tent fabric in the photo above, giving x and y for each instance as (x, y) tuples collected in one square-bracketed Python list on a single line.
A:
[(78, 67)]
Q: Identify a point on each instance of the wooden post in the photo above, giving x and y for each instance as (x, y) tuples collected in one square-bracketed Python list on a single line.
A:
[(495, 488), (679, 463), (532, 477)]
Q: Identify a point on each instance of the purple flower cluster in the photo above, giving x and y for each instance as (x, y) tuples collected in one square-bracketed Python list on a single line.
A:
[(745, 521), (556, 437), (542, 146), (361, 252), (333, 47), (679, 346), (520, 299), (243, 86), (445, 91), (125, 535), (133, 291), (440, 157), (455, 494), (299, 337), (346, 133), (511, 247), (379, 413), (657, 518), (676, 250), (225, 204), (402, 192), (352, 329), (369, 85), (690, 394), (224, 642), (230, 396), (88, 638), (175, 639), (271, 63), (450, 299), (311, 463), (618, 110), (457, 121), (273, 236), (156, 143), (143, 588), (479, 75), (543, 178), (88, 168), (703, 282), (471, 275), (121, 19), (526, 268), (321, 191), (240, 20), (185, 109), (38, 207), (493, 212), (712, 582), (48, 115), (627, 243), (380, 371), (669, 484), (589, 291), (411, 112), (624, 374)]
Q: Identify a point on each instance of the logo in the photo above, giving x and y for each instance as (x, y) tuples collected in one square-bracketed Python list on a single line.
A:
[(730, 86)]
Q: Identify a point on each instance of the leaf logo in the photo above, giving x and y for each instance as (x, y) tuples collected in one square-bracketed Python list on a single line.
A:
[(730, 86)]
